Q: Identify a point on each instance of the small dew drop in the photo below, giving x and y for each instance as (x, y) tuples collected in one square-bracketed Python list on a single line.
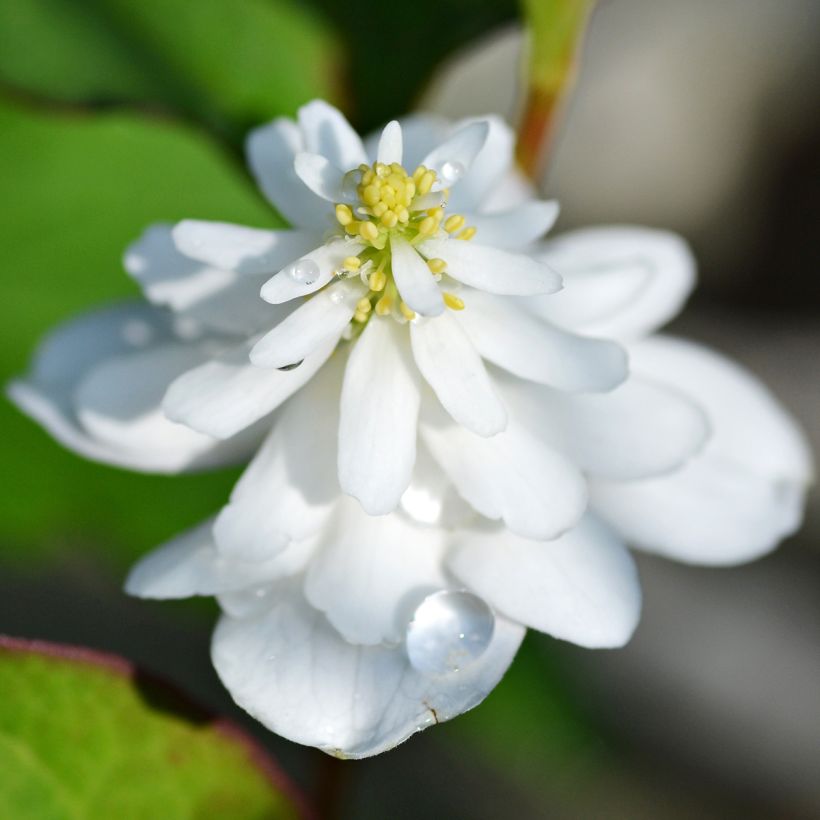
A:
[(337, 296), (452, 171), (450, 630), (305, 271), (290, 366), (350, 186)]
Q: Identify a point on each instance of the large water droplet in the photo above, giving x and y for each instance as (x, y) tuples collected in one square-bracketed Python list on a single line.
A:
[(350, 186), (305, 271), (450, 630), (452, 171)]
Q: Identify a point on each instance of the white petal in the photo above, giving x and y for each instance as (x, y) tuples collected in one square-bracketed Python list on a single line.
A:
[(745, 491), (324, 316), (242, 249), (190, 565), (637, 430), (220, 299), (517, 227), (461, 148), (287, 491), (420, 134), (320, 175), (619, 282), (414, 279), (295, 674), (371, 572), (491, 269), (582, 587), (271, 150), (326, 131), (531, 348), (379, 411), (390, 144), (512, 476), (328, 258), (452, 367), (229, 393)]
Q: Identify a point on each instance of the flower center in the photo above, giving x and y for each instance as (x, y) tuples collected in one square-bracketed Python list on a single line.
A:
[(388, 202)]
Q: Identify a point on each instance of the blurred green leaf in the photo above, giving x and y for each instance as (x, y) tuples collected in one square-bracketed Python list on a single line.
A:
[(228, 63), (84, 735), (77, 190)]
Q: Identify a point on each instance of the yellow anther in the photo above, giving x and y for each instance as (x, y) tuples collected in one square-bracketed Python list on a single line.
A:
[(360, 316), (344, 214), (453, 223), (368, 231), (353, 227), (427, 226), (381, 169), (424, 185), (419, 173), (403, 214), (467, 233), (389, 219), (453, 302), (409, 191), (363, 305), (407, 311), (436, 265), (371, 195), (436, 213), (352, 263), (377, 281), (383, 305), (379, 208), (396, 168)]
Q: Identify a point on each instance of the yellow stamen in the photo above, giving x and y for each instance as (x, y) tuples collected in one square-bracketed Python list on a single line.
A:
[(368, 231), (436, 265), (360, 316), (378, 279), (363, 305), (389, 219), (428, 226), (453, 223), (467, 233), (344, 214), (424, 185), (383, 305), (407, 311), (453, 302), (352, 263)]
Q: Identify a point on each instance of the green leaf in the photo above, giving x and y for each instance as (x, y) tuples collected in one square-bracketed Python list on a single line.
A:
[(228, 63), (86, 736), (77, 190)]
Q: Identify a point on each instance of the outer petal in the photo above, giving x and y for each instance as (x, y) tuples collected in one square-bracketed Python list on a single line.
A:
[(271, 150), (512, 476), (190, 565), (452, 367), (320, 175), (492, 270), (582, 587), (533, 349), (517, 227), (229, 393), (414, 280), (326, 131), (379, 411), (390, 144), (295, 674), (737, 499), (619, 282), (371, 572)]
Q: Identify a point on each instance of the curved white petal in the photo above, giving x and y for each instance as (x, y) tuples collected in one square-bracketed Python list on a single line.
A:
[(390, 144), (492, 270), (271, 150), (639, 429), (414, 279), (619, 282), (452, 367), (516, 228), (742, 494), (288, 489), (531, 348), (379, 411), (324, 316), (320, 175), (512, 476), (328, 258), (190, 565), (460, 148), (229, 393), (371, 572), (241, 249), (294, 673), (421, 133), (325, 131), (582, 587)]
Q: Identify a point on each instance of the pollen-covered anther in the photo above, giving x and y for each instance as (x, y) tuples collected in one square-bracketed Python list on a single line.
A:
[(352, 263), (407, 311), (453, 302), (437, 266)]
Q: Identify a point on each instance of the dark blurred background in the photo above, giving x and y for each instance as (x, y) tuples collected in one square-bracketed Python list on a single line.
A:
[(697, 116)]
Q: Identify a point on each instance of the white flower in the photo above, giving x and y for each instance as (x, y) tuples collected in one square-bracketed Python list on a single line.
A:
[(501, 451)]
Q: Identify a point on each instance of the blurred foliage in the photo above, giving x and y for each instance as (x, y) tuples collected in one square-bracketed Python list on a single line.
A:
[(82, 735)]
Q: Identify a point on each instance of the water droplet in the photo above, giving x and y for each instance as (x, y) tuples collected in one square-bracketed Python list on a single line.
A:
[(291, 366), (337, 296), (450, 630), (350, 186), (452, 171), (305, 271)]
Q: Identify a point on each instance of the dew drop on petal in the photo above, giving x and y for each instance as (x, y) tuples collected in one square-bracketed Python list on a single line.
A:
[(305, 271), (452, 171), (350, 186), (449, 630)]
